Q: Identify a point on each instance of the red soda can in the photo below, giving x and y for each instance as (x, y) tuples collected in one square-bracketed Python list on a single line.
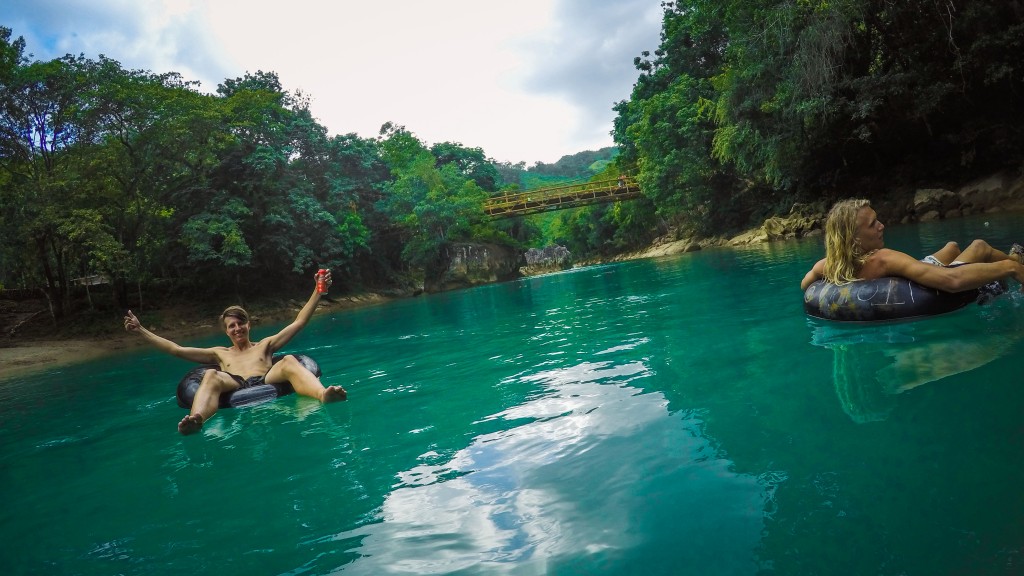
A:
[(321, 281)]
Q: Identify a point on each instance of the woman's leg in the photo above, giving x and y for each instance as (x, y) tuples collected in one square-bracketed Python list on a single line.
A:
[(948, 253), (981, 251)]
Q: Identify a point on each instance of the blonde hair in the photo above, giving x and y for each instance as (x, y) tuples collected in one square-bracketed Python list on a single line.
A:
[(843, 254), (235, 312)]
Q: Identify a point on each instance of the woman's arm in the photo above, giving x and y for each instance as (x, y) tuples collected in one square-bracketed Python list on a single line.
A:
[(955, 279), (816, 273)]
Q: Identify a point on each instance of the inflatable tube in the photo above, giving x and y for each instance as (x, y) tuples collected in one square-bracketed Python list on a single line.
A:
[(888, 298), (246, 396)]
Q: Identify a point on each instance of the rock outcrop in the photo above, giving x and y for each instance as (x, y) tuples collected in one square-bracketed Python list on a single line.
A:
[(552, 258), (1001, 191), (802, 220), (463, 265)]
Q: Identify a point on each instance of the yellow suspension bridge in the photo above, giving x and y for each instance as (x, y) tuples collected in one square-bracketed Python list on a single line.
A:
[(561, 197)]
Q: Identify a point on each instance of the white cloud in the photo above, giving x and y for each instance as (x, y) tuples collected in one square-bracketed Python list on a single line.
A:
[(525, 81)]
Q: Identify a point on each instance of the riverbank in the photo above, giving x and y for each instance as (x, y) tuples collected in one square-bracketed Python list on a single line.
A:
[(35, 351)]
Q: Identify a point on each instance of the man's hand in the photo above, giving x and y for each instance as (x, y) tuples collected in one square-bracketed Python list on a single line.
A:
[(131, 323), (326, 278)]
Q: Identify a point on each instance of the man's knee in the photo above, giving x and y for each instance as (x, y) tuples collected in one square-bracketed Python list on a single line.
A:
[(288, 369), (290, 365), (217, 380)]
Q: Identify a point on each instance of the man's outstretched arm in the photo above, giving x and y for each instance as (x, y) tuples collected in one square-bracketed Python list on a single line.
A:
[(201, 355)]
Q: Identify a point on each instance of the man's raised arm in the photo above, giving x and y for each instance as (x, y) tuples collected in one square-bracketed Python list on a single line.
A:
[(278, 341), (202, 355)]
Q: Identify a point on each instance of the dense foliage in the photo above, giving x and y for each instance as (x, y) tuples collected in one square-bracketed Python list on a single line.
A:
[(144, 180), (747, 107), (141, 179)]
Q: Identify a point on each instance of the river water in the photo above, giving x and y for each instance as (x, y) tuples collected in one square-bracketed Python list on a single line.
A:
[(667, 416)]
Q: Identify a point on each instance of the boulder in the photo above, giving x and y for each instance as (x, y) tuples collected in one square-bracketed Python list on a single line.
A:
[(1001, 190), (932, 202), (552, 258)]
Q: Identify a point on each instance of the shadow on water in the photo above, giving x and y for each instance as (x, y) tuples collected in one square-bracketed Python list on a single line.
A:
[(873, 363)]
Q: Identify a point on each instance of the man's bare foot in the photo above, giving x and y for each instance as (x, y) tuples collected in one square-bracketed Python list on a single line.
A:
[(334, 394), (191, 423)]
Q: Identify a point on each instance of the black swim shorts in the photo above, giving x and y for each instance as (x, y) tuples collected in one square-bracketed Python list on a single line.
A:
[(247, 382)]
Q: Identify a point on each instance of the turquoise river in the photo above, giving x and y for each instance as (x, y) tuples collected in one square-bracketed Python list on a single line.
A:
[(664, 416)]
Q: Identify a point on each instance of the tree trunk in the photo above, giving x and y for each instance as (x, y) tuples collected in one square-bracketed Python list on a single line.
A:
[(51, 291)]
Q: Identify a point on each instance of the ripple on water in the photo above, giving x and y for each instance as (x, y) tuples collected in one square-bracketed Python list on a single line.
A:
[(570, 473)]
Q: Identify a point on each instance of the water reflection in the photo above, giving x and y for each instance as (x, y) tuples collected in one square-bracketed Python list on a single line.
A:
[(873, 363), (596, 473)]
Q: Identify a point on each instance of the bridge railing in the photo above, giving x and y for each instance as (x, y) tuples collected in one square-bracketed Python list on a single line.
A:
[(561, 197)]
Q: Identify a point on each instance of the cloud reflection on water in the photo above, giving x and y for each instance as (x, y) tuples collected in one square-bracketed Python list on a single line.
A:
[(597, 474)]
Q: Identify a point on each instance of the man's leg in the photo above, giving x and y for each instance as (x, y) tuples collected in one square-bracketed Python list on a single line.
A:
[(207, 400), (289, 369)]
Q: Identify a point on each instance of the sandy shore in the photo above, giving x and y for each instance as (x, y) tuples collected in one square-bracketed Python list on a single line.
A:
[(39, 355), (21, 357)]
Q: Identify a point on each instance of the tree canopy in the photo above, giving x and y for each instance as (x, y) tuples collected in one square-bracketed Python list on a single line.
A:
[(747, 107), (744, 109), (140, 178)]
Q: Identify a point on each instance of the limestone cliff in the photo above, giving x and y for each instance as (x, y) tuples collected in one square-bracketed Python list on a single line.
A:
[(461, 265)]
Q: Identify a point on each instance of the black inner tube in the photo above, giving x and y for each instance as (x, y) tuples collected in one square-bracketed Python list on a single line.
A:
[(189, 384), (887, 298)]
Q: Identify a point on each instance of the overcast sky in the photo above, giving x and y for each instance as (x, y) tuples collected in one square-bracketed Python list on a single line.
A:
[(526, 80)]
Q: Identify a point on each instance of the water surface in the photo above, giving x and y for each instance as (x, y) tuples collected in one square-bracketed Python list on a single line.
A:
[(667, 416)]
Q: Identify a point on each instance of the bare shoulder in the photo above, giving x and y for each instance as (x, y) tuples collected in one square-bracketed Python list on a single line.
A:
[(883, 262), (890, 256), (895, 263)]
